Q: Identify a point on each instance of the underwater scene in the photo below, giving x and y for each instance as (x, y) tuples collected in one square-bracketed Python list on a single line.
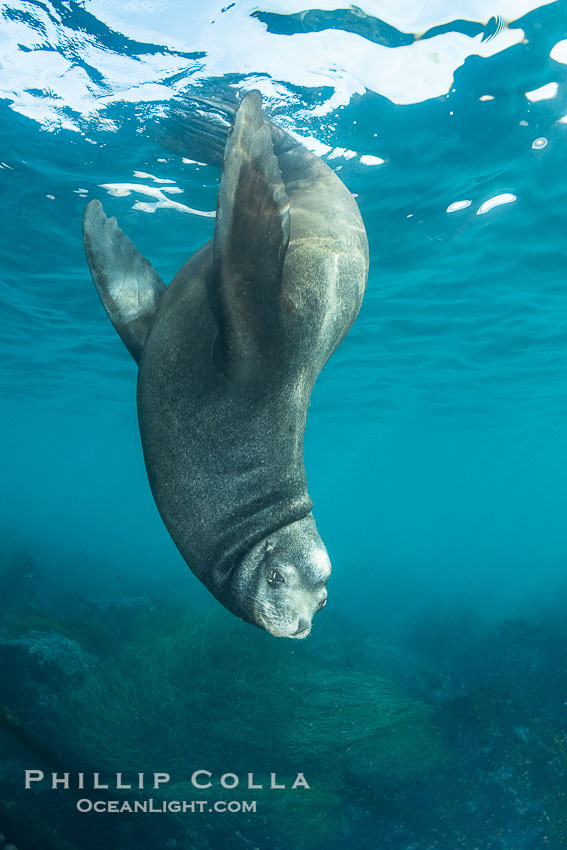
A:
[(425, 707)]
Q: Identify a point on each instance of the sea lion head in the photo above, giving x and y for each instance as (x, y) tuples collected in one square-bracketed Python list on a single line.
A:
[(281, 582)]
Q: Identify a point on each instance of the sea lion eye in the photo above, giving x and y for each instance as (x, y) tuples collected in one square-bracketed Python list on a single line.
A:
[(275, 577), (322, 604)]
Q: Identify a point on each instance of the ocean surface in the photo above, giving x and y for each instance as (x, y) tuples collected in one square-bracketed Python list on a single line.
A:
[(428, 708)]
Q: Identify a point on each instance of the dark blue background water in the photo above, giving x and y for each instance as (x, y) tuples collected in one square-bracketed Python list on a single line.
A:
[(436, 446)]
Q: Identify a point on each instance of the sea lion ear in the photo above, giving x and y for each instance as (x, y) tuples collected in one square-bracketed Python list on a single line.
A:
[(251, 239), (128, 285)]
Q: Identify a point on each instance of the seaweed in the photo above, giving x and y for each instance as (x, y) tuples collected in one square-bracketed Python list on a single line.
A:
[(173, 696)]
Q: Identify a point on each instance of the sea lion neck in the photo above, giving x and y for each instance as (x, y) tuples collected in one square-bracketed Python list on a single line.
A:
[(256, 522)]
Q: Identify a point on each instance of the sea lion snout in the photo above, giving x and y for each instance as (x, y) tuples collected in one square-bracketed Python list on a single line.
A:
[(282, 580), (303, 629)]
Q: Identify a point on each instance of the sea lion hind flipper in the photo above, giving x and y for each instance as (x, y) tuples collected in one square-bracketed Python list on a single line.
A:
[(128, 285), (251, 239), (197, 128)]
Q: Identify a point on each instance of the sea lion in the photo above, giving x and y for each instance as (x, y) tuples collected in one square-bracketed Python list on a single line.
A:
[(228, 355)]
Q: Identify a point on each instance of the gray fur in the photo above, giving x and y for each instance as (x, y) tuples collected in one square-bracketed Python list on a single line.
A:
[(232, 350)]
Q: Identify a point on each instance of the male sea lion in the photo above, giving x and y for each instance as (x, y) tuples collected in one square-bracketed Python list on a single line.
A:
[(228, 355)]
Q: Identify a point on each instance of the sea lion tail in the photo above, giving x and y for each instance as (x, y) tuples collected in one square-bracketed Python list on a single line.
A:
[(128, 285)]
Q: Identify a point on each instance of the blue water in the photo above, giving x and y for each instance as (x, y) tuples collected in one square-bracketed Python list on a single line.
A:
[(436, 447)]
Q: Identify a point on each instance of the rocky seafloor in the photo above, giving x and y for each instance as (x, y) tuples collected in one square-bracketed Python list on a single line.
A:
[(449, 734)]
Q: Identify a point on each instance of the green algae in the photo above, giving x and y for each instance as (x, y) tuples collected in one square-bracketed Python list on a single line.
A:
[(209, 691)]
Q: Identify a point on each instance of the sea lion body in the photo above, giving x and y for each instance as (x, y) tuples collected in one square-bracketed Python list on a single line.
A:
[(228, 356)]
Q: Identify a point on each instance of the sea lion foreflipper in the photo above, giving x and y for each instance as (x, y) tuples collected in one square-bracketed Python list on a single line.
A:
[(251, 239), (128, 285)]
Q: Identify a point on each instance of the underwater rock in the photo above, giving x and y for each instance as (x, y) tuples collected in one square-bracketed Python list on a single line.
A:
[(40, 666), (48, 657)]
